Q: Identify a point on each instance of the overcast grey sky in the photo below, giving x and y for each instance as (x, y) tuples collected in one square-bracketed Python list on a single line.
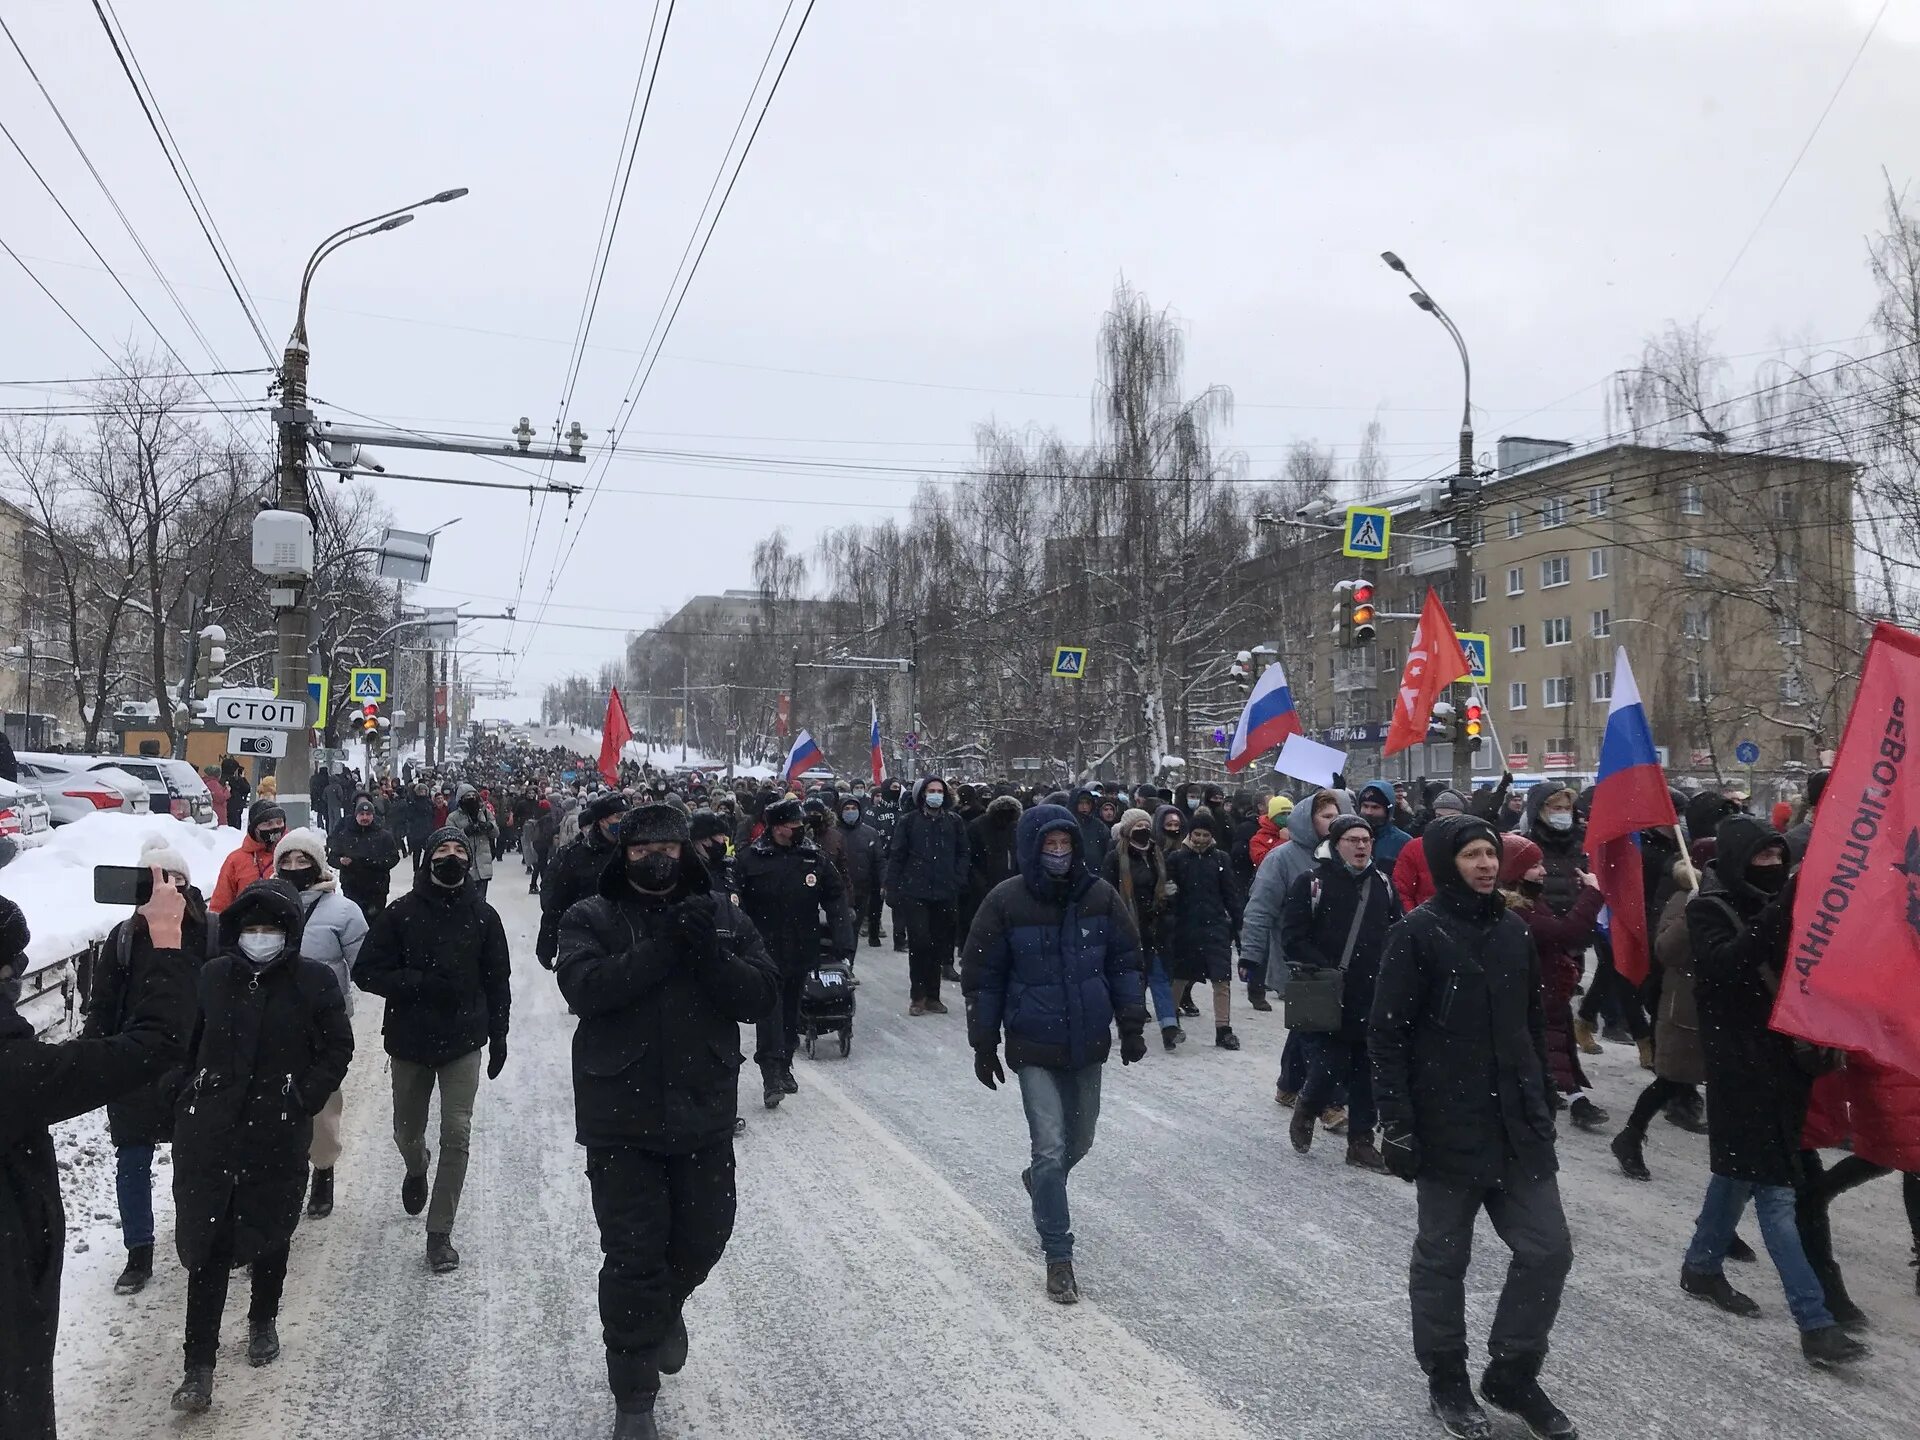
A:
[(944, 194)]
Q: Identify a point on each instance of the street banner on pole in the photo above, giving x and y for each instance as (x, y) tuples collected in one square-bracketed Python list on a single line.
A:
[(1434, 661)]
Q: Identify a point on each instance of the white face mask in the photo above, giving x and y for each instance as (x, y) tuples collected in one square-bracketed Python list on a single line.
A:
[(1558, 819), (935, 799), (264, 948)]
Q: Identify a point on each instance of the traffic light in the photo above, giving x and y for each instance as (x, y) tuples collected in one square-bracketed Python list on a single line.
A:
[(1363, 612), (1475, 723), (1444, 725), (369, 719)]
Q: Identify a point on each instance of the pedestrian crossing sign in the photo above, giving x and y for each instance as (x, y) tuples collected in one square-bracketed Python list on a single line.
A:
[(1477, 650), (369, 685), (1366, 533), (1070, 662)]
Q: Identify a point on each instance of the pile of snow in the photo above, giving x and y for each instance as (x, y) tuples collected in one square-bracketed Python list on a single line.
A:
[(53, 883)]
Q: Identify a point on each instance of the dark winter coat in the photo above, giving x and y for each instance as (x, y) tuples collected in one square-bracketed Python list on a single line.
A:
[(42, 1085), (786, 890), (269, 1047), (143, 1116), (992, 855), (1561, 941), (1389, 840), (570, 877), (1458, 1031), (1758, 1095), (373, 852), (1055, 964), (1316, 919), (1240, 851), (1565, 851), (866, 856), (1207, 906), (439, 958), (1096, 835), (1152, 909), (927, 858), (416, 818), (656, 1055)]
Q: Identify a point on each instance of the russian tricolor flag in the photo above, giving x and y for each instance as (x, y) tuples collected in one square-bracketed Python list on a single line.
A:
[(1266, 722), (873, 749), (1629, 795), (804, 755)]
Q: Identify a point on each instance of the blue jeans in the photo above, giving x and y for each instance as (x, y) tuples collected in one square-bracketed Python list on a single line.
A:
[(1726, 1202), (133, 1182), (1063, 1106), (1161, 989)]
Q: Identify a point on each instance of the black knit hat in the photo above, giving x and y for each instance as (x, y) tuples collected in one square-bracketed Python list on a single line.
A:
[(1343, 823), (651, 823), (262, 811), (782, 812)]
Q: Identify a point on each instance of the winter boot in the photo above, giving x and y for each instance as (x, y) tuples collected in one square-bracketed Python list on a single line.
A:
[(1224, 1037), (917, 1008), (413, 1190), (1170, 1036), (1513, 1385), (1284, 1097), (1026, 1180), (1061, 1287), (671, 1357), (632, 1424), (1300, 1129), (1646, 1054), (1715, 1289), (1187, 1007), (1583, 1034), (441, 1255), (195, 1395), (1740, 1252), (1629, 1149), (1829, 1346), (950, 973), (1615, 1033), (1257, 998), (139, 1270), (1450, 1397), (773, 1086), (1847, 1315), (787, 1082), (1687, 1113), (1334, 1118), (1916, 1268), (934, 1007), (635, 1381), (320, 1201), (263, 1342), (1587, 1115), (1361, 1153)]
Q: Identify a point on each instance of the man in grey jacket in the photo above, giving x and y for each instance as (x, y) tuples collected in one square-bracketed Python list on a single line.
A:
[(334, 929)]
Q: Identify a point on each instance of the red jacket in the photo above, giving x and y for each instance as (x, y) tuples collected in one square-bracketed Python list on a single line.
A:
[(1412, 878), (1876, 1106), (252, 861), (1268, 836)]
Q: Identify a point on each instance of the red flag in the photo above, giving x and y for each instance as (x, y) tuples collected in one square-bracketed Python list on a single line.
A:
[(614, 734), (1853, 966), (1434, 661), (780, 718)]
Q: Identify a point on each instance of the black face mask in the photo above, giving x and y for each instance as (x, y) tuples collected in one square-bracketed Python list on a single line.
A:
[(1767, 879), (300, 879), (715, 853), (1533, 889), (653, 872), (450, 870), (1140, 840)]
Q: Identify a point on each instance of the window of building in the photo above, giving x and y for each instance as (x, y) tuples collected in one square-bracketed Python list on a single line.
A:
[(1786, 505), (1477, 533), (1691, 500), (1557, 631), (1553, 512), (1599, 563), (1556, 691), (1516, 524), (1786, 570), (1794, 749), (1793, 689), (1554, 570), (1600, 624), (1693, 560), (1516, 695), (1516, 638), (1516, 581), (1479, 586), (1602, 687), (1698, 686), (1598, 501), (1788, 629), (1517, 749), (1695, 624), (1387, 660)]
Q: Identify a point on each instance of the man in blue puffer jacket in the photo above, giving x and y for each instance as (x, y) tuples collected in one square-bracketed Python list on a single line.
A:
[(1053, 960)]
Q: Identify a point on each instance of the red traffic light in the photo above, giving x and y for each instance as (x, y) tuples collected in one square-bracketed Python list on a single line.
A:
[(1363, 592), (1474, 716)]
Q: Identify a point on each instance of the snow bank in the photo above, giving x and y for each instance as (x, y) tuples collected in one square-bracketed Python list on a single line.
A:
[(53, 883)]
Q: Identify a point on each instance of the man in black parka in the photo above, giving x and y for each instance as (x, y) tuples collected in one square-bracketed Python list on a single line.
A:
[(662, 971), (573, 873)]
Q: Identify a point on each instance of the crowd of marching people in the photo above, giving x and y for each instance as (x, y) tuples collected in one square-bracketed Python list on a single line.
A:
[(1430, 951)]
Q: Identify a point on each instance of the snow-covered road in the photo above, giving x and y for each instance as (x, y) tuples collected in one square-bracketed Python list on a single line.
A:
[(884, 1279)]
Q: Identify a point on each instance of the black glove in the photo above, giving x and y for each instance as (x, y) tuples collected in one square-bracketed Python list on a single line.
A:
[(694, 931), (547, 962), (1133, 1046), (986, 1067), (1401, 1152), (496, 1058)]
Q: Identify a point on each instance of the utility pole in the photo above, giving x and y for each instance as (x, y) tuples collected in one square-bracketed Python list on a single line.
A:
[(686, 702)]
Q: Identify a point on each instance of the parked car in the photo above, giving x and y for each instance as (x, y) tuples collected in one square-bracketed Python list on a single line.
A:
[(73, 789), (175, 786), (24, 815)]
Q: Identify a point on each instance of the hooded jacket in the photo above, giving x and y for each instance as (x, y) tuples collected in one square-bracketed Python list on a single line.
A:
[(865, 852), (927, 856), (992, 855), (269, 1047), (1561, 941), (1389, 839), (1564, 850), (1268, 836), (661, 986), (1141, 879), (1095, 833), (1262, 948), (335, 926), (1207, 908), (1052, 963), (574, 873), (479, 830), (439, 959), (251, 861), (1458, 1031), (369, 851)]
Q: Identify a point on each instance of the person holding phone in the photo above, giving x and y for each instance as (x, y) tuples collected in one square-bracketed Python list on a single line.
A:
[(44, 1085), (141, 1119)]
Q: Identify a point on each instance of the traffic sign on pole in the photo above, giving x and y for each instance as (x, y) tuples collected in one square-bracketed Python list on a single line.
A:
[(368, 685), (257, 742), (1479, 652), (1747, 753), (1069, 662), (319, 688), (1366, 533)]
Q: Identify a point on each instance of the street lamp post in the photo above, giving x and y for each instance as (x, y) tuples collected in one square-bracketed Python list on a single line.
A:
[(294, 421), (1465, 489)]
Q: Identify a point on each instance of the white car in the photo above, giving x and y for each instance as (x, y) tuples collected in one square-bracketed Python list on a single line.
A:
[(74, 789), (174, 786), (24, 815)]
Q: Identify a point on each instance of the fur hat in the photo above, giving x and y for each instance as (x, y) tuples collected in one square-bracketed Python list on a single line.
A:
[(653, 823), (155, 851), (601, 806), (705, 824), (782, 812)]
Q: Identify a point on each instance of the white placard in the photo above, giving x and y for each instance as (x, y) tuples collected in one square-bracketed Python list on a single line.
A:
[(1310, 761)]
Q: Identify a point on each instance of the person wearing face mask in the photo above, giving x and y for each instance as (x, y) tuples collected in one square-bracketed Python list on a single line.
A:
[(574, 871), (142, 1119), (252, 859), (1758, 1081), (787, 887), (270, 1044), (928, 861), (866, 854), (1169, 827), (332, 933), (438, 956), (473, 818), (1137, 870), (1458, 1043), (364, 852), (1562, 942), (1097, 834), (662, 970), (1207, 908), (417, 821), (536, 843), (1053, 964), (1337, 917), (707, 833)]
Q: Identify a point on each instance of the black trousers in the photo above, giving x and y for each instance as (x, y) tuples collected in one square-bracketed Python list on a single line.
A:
[(931, 928), (207, 1294), (1659, 1091), (900, 910), (777, 1035), (664, 1224), (871, 905), (1526, 1214), (1609, 989)]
